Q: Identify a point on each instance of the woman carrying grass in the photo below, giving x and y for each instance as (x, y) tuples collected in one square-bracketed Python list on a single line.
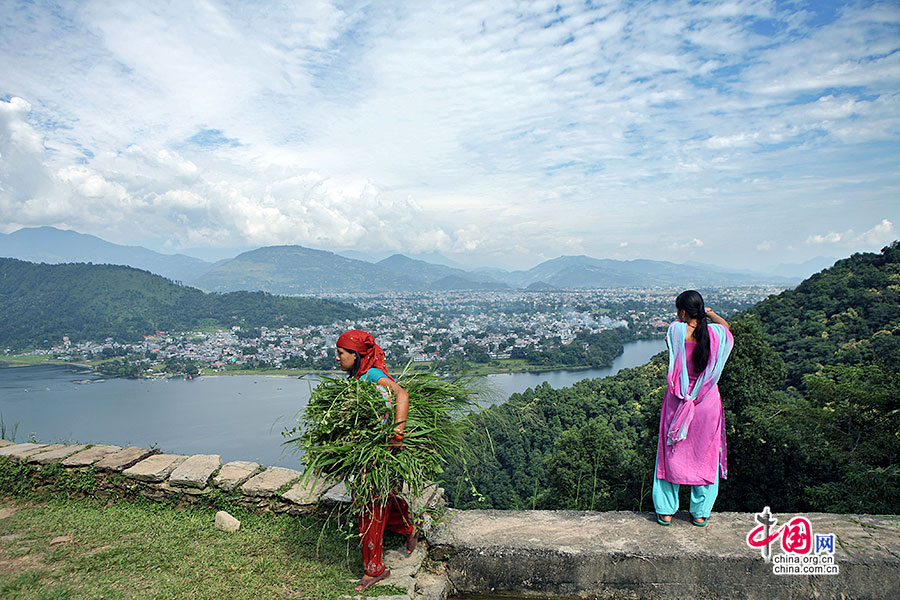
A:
[(347, 433), (363, 359)]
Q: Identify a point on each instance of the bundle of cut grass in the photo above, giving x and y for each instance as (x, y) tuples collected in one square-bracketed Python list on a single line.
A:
[(346, 429)]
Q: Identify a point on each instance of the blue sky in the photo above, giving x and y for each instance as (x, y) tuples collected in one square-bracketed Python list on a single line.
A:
[(740, 133)]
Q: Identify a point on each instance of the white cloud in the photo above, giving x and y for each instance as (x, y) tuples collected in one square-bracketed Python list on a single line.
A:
[(180, 200), (686, 245), (22, 173), (17, 130), (883, 233), (739, 140), (829, 238), (490, 128), (166, 195)]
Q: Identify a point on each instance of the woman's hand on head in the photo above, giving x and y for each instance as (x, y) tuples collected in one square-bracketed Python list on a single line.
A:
[(712, 316)]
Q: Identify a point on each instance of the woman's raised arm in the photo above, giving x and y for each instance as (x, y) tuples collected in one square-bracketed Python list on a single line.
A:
[(716, 318)]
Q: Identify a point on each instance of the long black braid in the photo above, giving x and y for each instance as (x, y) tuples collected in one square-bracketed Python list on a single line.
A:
[(691, 302)]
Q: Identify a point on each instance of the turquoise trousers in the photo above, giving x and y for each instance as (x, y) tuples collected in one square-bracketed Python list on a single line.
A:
[(665, 497)]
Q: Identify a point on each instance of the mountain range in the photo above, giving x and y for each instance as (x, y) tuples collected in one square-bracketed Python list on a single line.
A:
[(51, 245), (298, 270), (41, 303)]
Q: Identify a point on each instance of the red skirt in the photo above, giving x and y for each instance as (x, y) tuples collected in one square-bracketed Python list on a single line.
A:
[(393, 516)]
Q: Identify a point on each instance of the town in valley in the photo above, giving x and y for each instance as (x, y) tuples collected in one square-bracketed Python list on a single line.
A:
[(453, 331)]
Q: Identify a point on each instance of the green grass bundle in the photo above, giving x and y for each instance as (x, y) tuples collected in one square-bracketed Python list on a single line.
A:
[(346, 429)]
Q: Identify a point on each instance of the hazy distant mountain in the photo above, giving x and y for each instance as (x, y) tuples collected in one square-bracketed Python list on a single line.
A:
[(804, 269), (433, 258), (586, 272), (299, 270), (417, 269), (429, 273), (52, 245), (719, 268), (363, 256), (455, 282), (41, 302), (495, 272), (436, 258), (794, 272)]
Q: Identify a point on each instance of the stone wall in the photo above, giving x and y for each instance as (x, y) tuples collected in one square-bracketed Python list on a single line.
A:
[(624, 554), (494, 554), (187, 479), (157, 476), (116, 472)]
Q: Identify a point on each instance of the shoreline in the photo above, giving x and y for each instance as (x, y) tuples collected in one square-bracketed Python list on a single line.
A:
[(477, 370), (496, 367)]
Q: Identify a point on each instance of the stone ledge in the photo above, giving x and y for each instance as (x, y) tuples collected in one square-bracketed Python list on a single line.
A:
[(88, 457), (31, 455), (567, 554), (123, 459), (307, 492), (546, 554), (196, 471), (21, 451), (234, 474), (268, 482), (45, 457), (155, 468)]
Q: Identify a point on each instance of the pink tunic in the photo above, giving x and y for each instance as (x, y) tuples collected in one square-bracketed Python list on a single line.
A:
[(696, 459)]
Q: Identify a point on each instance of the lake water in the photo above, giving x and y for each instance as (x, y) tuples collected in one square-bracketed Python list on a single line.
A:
[(239, 417), (633, 354)]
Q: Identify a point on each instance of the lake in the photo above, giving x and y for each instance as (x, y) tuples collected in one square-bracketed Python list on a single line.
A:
[(239, 417)]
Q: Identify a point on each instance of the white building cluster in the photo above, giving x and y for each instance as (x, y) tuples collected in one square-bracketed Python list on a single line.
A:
[(425, 327)]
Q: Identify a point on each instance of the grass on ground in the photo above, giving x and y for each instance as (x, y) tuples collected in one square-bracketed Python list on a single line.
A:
[(23, 361), (145, 550)]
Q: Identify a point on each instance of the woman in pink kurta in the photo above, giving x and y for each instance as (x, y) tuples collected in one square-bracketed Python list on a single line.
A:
[(691, 448)]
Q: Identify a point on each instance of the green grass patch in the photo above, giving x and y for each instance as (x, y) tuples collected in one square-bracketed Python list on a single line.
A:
[(18, 479), (144, 550), (25, 361)]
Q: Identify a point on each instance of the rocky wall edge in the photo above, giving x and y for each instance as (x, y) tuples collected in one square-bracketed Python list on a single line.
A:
[(108, 471), (112, 472)]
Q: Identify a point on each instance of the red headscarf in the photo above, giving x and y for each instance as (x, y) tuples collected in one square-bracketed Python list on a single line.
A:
[(370, 353)]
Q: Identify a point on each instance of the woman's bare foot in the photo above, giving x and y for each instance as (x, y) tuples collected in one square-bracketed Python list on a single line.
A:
[(411, 542), (367, 581)]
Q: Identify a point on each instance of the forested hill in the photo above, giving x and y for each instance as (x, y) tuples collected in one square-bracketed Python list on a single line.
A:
[(848, 314), (812, 410), (41, 302)]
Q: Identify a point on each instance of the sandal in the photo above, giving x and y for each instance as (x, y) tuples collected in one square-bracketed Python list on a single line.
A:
[(659, 519), (367, 582), (699, 521)]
